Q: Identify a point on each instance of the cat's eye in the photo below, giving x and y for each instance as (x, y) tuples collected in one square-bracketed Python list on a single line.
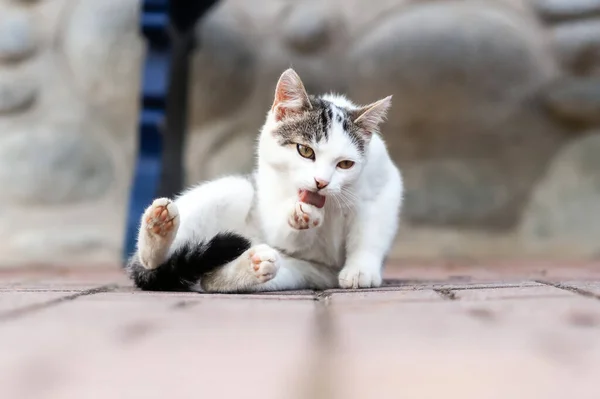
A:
[(345, 164), (305, 152)]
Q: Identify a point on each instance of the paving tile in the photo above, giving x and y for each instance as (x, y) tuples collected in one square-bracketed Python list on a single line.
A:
[(536, 348), (370, 298), (588, 286), (493, 270), (12, 281), (482, 285), (12, 301), (411, 339), (415, 285), (58, 282), (507, 292), (52, 287), (157, 346), (274, 296)]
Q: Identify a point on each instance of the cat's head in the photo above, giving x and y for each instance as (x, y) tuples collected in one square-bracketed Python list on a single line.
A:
[(319, 143)]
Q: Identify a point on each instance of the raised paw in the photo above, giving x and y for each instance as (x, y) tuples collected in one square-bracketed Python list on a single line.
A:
[(264, 262), (306, 216), (161, 218), (353, 276)]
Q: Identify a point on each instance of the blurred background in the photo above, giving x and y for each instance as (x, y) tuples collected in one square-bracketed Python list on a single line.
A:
[(495, 121)]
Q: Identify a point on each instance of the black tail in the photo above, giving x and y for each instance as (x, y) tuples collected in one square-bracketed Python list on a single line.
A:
[(188, 263)]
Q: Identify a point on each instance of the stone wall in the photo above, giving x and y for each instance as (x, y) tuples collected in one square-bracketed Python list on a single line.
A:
[(69, 73), (495, 122)]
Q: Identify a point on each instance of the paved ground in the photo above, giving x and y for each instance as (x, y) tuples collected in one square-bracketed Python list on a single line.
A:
[(528, 331)]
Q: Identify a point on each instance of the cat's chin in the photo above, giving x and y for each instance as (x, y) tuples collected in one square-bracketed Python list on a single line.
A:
[(312, 198)]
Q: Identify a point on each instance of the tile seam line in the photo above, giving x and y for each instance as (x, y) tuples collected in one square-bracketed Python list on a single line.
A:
[(318, 375), (447, 294), (571, 289), (25, 310), (444, 285)]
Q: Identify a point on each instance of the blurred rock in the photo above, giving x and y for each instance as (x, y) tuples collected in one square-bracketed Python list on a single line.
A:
[(310, 27), (16, 95), (17, 38), (578, 45), (49, 167), (437, 59), (66, 162), (453, 192), (554, 10), (103, 50), (225, 67), (576, 100), (565, 207)]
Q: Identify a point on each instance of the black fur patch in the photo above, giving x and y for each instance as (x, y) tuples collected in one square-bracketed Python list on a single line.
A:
[(325, 122), (188, 263), (346, 125), (329, 111)]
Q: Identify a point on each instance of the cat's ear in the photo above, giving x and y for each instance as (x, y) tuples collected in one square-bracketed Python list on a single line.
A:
[(369, 117), (290, 96)]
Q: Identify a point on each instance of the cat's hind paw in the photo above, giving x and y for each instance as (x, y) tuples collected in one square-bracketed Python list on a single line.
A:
[(161, 219), (306, 216), (264, 262)]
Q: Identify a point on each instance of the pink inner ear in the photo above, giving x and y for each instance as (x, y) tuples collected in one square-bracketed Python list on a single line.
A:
[(279, 112), (290, 96), (282, 94), (283, 97)]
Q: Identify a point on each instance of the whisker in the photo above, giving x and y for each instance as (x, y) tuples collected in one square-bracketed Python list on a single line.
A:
[(349, 194), (337, 201), (346, 200)]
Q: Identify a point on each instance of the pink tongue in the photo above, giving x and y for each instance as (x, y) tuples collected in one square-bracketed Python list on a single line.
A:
[(308, 197)]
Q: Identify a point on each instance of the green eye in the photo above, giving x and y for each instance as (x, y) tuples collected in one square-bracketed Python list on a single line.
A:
[(305, 152), (345, 164)]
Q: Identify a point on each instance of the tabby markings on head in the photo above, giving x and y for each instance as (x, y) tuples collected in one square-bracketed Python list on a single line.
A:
[(314, 125)]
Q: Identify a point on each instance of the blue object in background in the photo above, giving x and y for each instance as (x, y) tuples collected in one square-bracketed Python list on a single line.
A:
[(168, 27)]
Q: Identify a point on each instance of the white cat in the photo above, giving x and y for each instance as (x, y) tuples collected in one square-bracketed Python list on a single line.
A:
[(320, 211)]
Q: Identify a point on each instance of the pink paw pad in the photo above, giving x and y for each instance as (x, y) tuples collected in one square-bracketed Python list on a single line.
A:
[(161, 217)]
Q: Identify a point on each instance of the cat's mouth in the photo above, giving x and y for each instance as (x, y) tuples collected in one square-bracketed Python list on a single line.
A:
[(312, 198)]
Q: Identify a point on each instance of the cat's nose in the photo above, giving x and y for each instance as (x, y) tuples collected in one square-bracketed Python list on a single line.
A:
[(321, 183)]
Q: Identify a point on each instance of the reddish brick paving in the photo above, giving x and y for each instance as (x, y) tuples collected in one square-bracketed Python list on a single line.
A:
[(500, 331)]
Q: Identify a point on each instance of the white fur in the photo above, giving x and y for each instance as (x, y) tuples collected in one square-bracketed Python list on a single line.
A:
[(343, 244)]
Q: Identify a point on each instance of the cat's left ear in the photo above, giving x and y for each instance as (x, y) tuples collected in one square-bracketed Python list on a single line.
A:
[(369, 117), (290, 96)]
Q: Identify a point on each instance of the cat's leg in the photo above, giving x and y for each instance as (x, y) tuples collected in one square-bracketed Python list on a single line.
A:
[(262, 268), (158, 228), (371, 234), (203, 229)]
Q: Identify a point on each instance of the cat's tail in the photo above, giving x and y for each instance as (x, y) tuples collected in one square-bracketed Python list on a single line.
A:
[(187, 264)]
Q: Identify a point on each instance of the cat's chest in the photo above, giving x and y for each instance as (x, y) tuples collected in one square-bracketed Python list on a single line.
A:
[(324, 244)]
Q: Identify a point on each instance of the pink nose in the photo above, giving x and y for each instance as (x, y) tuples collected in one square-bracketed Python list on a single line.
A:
[(321, 183)]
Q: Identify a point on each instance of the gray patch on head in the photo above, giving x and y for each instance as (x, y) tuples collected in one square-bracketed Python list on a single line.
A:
[(313, 125)]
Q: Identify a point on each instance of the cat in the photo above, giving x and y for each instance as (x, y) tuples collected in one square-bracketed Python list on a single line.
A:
[(320, 211)]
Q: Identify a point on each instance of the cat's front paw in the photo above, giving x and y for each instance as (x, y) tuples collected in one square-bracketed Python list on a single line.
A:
[(161, 219), (264, 262), (306, 216), (360, 276)]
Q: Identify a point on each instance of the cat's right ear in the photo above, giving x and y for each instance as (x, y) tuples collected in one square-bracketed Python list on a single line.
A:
[(290, 96)]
